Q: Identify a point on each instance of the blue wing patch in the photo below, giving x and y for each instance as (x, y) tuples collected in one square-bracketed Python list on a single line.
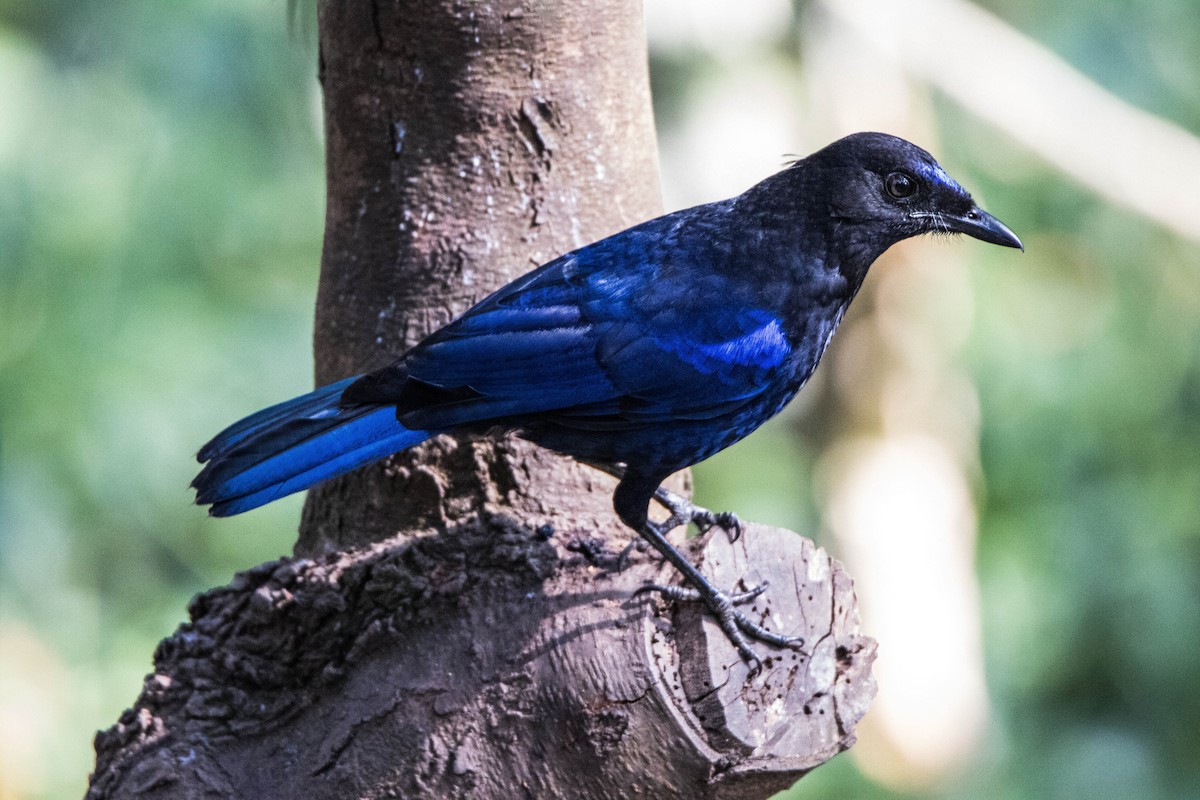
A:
[(584, 336), (763, 347)]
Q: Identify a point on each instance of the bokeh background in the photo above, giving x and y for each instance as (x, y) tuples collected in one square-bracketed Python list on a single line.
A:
[(1004, 448)]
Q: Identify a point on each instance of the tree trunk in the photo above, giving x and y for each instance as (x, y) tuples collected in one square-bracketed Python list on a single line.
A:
[(451, 625)]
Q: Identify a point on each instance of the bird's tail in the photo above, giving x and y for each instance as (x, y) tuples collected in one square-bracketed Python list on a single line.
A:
[(293, 445)]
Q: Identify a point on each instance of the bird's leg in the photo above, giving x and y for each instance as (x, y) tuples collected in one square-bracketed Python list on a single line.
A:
[(682, 510), (737, 626), (631, 500)]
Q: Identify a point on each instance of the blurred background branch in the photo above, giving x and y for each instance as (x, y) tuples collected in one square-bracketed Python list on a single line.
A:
[(1127, 156)]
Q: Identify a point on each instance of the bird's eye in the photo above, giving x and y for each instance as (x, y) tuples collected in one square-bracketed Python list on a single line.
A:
[(900, 185)]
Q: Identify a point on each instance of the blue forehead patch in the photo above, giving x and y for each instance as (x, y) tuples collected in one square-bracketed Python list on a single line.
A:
[(935, 174)]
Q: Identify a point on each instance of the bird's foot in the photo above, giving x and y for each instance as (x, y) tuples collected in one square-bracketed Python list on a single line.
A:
[(686, 594), (737, 627), (684, 511)]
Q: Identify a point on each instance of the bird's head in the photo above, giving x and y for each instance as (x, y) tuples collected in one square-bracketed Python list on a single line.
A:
[(890, 189)]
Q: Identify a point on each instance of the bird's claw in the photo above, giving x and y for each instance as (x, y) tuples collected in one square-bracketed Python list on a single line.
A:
[(684, 511), (725, 520), (687, 594), (737, 627), (681, 509)]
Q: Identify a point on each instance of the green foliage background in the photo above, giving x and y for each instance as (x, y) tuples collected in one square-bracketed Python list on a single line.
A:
[(160, 222)]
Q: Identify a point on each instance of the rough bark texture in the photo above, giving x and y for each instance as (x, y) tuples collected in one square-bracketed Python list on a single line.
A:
[(481, 663), (467, 143), (451, 625)]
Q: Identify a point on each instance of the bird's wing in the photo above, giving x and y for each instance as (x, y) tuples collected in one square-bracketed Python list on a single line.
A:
[(596, 338)]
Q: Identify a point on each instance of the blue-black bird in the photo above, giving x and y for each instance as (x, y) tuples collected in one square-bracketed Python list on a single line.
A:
[(641, 354)]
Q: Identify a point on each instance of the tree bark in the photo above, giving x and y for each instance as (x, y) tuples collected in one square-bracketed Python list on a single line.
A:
[(451, 625)]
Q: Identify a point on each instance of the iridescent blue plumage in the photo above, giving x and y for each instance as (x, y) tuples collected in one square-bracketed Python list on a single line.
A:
[(647, 351)]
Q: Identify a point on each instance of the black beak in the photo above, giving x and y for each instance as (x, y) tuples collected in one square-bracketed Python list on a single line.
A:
[(982, 226)]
